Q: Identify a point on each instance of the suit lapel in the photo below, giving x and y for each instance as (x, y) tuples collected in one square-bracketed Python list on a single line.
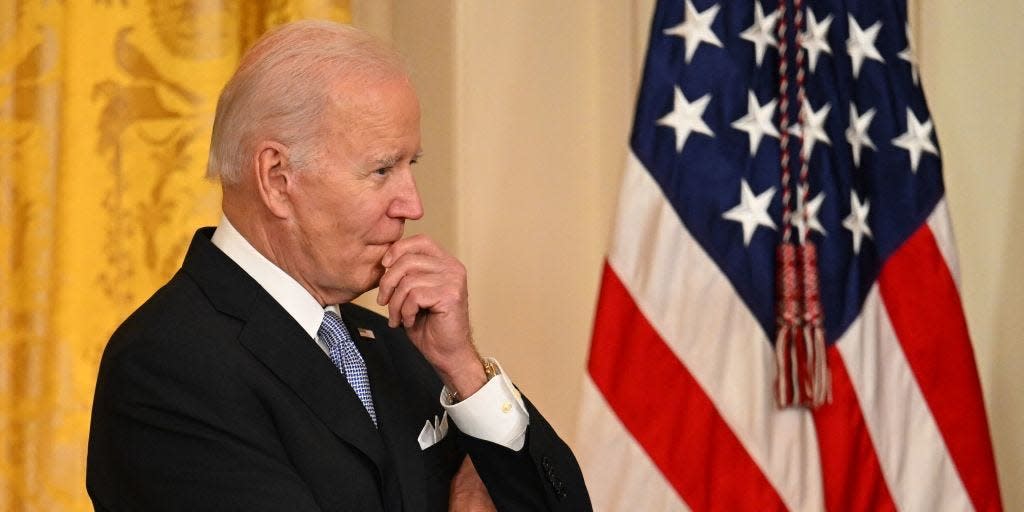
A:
[(277, 341), (287, 351), (394, 416)]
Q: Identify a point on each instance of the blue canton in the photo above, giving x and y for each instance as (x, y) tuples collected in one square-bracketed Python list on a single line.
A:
[(706, 128)]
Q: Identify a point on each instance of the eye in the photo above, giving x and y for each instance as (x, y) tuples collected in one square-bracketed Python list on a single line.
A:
[(383, 171)]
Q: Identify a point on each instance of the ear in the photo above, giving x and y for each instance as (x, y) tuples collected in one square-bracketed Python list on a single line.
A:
[(274, 179)]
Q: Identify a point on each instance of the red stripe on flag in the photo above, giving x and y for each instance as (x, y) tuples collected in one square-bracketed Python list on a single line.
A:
[(667, 411), (850, 469), (924, 306)]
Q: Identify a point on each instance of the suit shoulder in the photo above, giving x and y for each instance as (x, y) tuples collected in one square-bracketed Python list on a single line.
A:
[(178, 313)]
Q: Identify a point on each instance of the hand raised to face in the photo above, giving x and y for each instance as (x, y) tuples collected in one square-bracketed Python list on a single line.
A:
[(426, 292)]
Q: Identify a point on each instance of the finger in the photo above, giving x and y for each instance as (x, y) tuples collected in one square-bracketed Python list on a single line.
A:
[(409, 264), (449, 284), (417, 244), (394, 314), (419, 299), (395, 306), (397, 301)]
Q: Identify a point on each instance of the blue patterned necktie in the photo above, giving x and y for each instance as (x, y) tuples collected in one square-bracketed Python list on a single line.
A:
[(347, 358)]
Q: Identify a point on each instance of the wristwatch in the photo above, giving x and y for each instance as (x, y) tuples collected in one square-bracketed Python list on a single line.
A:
[(491, 370)]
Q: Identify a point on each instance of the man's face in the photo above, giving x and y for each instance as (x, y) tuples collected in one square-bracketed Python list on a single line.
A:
[(352, 202)]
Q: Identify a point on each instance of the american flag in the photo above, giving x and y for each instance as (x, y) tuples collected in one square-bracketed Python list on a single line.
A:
[(681, 405)]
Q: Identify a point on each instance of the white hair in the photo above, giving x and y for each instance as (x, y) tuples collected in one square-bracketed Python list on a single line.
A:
[(283, 86)]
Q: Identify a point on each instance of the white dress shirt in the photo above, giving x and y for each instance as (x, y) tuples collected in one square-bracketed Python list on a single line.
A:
[(494, 413)]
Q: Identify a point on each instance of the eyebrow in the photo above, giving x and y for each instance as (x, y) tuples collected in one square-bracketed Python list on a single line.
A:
[(392, 159)]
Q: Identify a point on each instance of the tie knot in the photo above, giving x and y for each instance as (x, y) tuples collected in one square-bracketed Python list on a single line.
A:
[(332, 330)]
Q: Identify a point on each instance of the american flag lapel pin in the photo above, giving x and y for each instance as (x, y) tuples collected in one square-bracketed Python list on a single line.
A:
[(367, 333)]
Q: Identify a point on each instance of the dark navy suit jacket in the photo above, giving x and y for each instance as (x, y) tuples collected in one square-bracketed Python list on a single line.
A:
[(211, 397)]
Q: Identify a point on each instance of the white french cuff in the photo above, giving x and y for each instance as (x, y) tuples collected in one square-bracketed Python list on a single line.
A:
[(494, 413)]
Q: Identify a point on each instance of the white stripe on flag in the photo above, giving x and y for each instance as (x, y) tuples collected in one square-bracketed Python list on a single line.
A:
[(619, 473), (911, 452), (695, 310), (942, 229)]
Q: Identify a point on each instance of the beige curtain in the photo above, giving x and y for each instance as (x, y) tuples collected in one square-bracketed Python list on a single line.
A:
[(105, 113)]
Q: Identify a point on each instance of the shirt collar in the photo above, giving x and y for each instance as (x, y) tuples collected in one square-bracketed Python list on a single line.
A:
[(284, 289)]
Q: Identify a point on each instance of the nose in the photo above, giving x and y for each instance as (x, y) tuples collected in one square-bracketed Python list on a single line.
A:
[(407, 204)]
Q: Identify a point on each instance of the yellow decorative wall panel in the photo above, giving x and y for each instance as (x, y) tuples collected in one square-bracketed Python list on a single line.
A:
[(106, 108)]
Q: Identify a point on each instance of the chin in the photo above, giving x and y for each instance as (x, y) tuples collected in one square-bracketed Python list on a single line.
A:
[(347, 287), (374, 279)]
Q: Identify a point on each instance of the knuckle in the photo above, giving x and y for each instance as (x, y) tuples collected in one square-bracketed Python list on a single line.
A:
[(409, 309)]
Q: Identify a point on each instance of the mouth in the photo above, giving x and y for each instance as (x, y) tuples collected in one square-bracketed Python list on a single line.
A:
[(387, 242)]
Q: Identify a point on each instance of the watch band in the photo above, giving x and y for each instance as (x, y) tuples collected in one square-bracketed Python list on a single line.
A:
[(491, 370)]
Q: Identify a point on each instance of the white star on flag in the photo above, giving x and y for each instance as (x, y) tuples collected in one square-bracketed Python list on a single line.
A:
[(815, 38), (762, 32), (706, 290), (861, 44), (696, 29), (813, 127), (813, 207), (908, 55), (917, 139), (752, 211), (857, 220), (758, 121), (685, 118), (857, 133)]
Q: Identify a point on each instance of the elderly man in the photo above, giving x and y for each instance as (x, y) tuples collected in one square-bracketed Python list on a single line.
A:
[(249, 381)]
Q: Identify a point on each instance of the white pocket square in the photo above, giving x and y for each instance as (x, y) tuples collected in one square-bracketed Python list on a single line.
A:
[(433, 432)]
